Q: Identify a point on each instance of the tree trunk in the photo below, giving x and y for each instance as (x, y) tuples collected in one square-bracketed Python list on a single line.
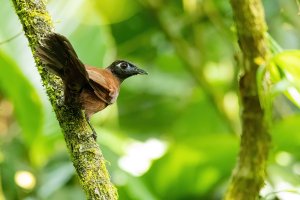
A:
[(85, 152), (248, 176)]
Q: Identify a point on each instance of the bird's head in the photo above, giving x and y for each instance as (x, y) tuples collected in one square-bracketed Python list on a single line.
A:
[(123, 69)]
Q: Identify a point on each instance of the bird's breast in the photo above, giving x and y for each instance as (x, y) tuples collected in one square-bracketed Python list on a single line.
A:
[(91, 104)]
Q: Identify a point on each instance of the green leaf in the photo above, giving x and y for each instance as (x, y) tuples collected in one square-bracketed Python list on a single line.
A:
[(288, 61), (27, 105), (273, 45), (284, 72)]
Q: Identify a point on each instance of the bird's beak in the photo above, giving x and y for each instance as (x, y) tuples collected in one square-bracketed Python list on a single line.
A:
[(140, 71)]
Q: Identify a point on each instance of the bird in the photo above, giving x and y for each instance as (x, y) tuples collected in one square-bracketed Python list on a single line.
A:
[(92, 88)]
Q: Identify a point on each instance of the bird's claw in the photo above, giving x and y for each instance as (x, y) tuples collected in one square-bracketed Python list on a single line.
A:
[(94, 134)]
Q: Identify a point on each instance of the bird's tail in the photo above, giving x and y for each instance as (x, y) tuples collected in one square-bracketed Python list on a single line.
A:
[(59, 57)]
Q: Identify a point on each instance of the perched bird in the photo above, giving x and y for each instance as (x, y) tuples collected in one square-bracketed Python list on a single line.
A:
[(93, 88)]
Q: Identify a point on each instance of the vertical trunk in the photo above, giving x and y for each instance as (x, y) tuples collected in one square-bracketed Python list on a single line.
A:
[(248, 176)]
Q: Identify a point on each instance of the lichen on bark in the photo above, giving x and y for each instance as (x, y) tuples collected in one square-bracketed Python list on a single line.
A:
[(85, 153)]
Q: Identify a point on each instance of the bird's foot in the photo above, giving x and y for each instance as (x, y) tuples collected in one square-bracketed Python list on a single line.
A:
[(94, 134)]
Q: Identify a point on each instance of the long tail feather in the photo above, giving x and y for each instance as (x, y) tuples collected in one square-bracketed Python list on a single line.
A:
[(59, 57)]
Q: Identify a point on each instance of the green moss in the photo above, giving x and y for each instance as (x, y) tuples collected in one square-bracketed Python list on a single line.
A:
[(249, 174), (84, 151)]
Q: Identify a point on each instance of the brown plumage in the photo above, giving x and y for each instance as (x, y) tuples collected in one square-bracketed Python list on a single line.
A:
[(93, 88)]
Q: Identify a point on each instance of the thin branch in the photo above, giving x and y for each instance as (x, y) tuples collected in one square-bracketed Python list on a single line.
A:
[(84, 151), (11, 38)]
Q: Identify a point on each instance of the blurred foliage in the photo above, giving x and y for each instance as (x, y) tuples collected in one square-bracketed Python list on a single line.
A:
[(172, 134)]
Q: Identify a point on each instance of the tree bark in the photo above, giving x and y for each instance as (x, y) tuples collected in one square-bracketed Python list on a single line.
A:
[(248, 176), (85, 152)]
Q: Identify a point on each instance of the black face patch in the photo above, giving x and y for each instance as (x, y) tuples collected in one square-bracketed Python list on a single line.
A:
[(123, 69)]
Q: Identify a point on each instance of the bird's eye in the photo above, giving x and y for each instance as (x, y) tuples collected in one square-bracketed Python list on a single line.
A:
[(123, 65)]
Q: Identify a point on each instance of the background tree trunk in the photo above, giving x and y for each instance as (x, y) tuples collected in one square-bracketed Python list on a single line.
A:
[(248, 176)]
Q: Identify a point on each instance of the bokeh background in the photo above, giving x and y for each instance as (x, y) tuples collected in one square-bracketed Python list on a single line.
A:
[(173, 134)]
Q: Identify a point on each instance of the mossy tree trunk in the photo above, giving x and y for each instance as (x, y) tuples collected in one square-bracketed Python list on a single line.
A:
[(85, 152), (248, 176)]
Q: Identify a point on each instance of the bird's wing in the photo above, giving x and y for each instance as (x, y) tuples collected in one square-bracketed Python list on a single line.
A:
[(103, 84)]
